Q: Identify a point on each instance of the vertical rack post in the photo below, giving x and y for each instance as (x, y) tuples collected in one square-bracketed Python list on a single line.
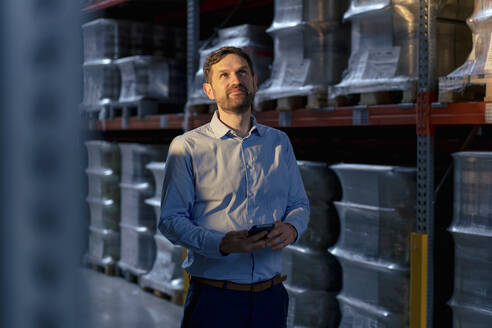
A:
[(425, 151)]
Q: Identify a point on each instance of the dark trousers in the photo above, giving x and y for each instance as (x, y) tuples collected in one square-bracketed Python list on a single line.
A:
[(212, 307)]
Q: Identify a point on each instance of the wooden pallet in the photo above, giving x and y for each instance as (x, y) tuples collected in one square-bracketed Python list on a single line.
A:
[(142, 108), (472, 88), (282, 104), (178, 298), (375, 98), (108, 269), (128, 276)]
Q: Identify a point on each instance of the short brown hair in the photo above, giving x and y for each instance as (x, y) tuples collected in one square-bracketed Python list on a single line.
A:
[(217, 56)]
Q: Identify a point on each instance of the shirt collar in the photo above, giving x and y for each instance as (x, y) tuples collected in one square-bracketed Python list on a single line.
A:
[(220, 129)]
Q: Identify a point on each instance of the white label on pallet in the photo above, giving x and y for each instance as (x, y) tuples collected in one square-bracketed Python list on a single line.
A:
[(382, 63), (488, 113), (488, 61)]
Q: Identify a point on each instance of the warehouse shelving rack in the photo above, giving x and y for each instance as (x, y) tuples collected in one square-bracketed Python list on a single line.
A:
[(426, 115)]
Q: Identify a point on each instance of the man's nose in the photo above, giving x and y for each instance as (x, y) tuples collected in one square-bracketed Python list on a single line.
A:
[(235, 79)]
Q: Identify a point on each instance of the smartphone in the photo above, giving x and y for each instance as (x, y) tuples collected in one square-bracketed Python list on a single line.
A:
[(259, 228)]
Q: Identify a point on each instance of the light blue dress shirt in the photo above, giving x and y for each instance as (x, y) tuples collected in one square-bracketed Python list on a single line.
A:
[(216, 182)]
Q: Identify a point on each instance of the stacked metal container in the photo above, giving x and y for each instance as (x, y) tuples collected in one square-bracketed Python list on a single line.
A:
[(251, 39), (478, 61), (377, 214), (104, 202), (311, 47), (138, 222), (166, 275), (472, 233), (384, 52), (313, 274)]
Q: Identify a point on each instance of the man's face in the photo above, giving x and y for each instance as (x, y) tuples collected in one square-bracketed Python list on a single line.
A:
[(232, 84)]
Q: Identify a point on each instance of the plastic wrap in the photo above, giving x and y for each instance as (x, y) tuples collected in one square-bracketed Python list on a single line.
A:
[(134, 158), (105, 213), (157, 169), (384, 50), (478, 61), (106, 39), (472, 233), (362, 315), (138, 249), (102, 84), (472, 192), (314, 270), (379, 290), (134, 210), (251, 39), (470, 317), (375, 233), (166, 274), (104, 246), (103, 174), (322, 230), (103, 154), (473, 269), (311, 46), (151, 77), (103, 184), (312, 308), (320, 182), (381, 186)]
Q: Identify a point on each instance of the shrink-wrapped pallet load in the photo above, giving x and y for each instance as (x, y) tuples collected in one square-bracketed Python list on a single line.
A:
[(153, 69), (472, 233), (384, 52), (377, 214), (104, 203), (457, 85), (137, 218), (166, 275), (148, 77), (313, 274), (251, 39), (311, 47)]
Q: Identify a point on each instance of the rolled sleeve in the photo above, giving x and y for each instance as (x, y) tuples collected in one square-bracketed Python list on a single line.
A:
[(178, 194)]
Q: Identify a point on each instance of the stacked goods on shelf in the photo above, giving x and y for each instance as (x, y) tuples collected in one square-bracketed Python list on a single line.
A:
[(137, 218), (464, 83), (383, 65), (104, 202), (313, 274), (377, 214), (166, 275), (151, 77), (311, 49), (472, 233), (251, 39), (157, 74)]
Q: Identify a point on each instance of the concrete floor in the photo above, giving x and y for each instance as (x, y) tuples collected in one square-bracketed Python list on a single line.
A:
[(114, 302)]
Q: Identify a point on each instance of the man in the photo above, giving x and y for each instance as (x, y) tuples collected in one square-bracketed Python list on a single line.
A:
[(220, 180)]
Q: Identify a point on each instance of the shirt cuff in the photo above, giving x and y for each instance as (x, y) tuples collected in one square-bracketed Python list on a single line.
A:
[(212, 244), (297, 224)]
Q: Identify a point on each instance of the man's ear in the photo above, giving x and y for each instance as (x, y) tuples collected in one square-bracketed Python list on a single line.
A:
[(255, 82), (207, 88)]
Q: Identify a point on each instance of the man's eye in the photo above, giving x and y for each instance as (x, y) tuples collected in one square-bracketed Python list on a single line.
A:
[(223, 75)]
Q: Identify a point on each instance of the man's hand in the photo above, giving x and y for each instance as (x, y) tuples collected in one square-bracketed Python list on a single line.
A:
[(239, 242), (282, 235)]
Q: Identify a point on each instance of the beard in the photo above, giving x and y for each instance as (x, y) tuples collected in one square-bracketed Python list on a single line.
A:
[(237, 104)]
